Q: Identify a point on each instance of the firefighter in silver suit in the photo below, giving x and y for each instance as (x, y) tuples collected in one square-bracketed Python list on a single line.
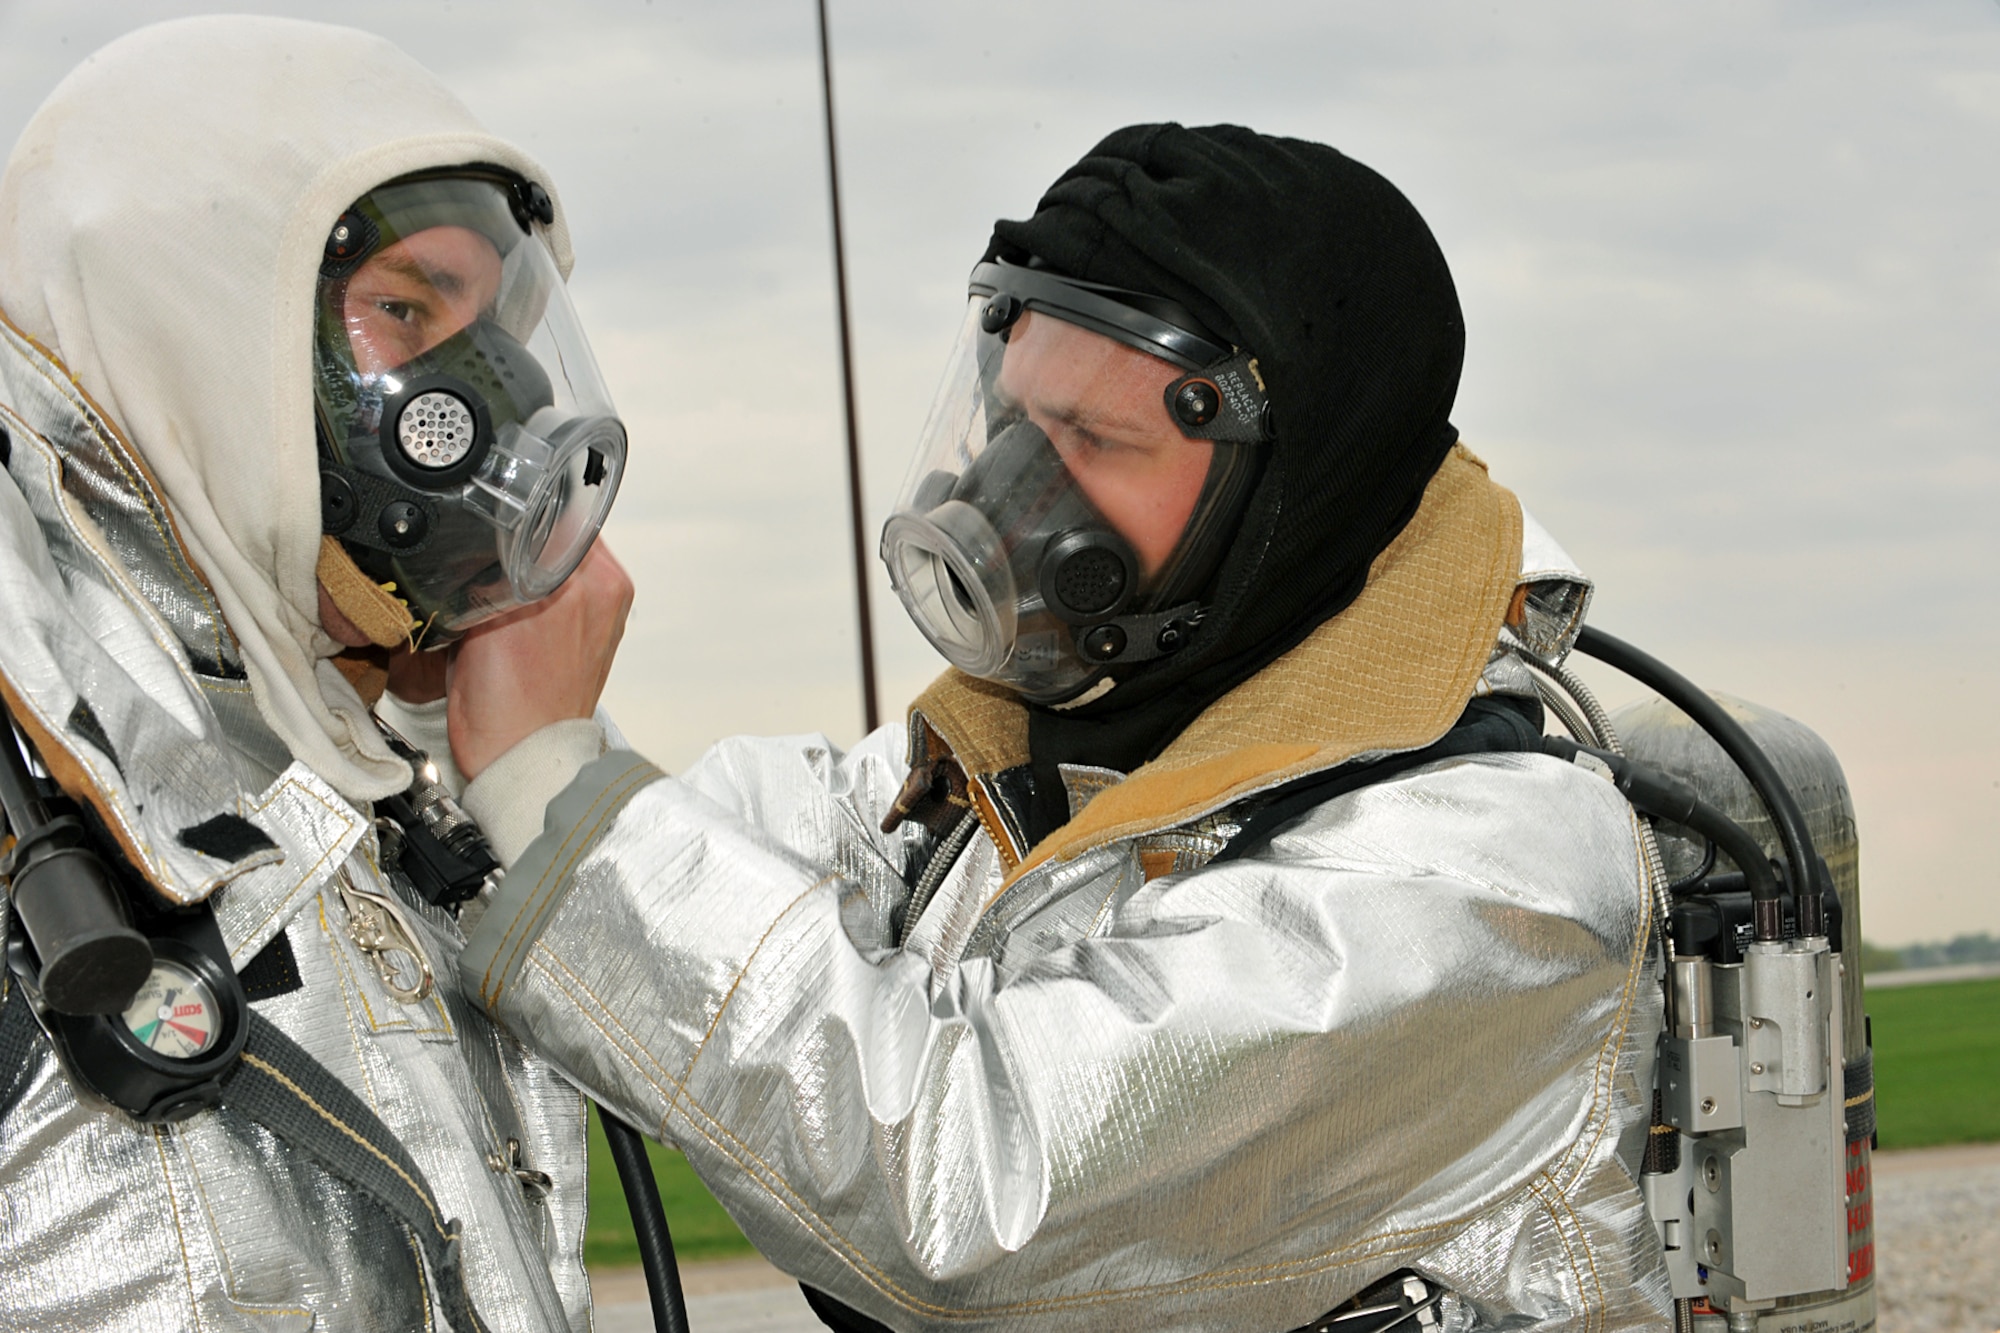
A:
[(1208, 943), (1212, 940), (288, 379)]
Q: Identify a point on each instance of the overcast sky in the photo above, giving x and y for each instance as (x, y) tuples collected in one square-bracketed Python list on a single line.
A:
[(1731, 275)]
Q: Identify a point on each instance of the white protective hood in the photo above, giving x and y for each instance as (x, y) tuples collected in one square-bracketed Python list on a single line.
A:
[(162, 222)]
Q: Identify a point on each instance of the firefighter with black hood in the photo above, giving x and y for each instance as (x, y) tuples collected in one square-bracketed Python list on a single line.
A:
[(1213, 941)]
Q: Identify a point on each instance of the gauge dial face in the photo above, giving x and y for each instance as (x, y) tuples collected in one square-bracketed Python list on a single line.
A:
[(174, 1013)]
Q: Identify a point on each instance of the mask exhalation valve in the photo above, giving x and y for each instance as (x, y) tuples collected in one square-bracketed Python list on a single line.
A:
[(436, 429), (1086, 575)]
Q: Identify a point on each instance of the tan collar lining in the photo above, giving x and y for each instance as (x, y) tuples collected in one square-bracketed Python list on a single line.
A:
[(1390, 673)]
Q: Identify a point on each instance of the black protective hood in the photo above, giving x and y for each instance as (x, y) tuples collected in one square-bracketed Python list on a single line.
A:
[(1327, 274)]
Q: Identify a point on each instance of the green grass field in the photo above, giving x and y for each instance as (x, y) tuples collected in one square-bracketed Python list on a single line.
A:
[(1937, 1080), (700, 1228), (1937, 1063)]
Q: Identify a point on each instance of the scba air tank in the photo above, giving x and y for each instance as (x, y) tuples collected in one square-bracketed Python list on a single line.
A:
[(1767, 1214)]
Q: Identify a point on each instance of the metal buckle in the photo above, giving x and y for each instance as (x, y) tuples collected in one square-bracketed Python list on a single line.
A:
[(378, 927), (535, 1183)]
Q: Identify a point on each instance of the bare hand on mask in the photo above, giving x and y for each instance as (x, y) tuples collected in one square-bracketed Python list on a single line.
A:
[(417, 678), (545, 663)]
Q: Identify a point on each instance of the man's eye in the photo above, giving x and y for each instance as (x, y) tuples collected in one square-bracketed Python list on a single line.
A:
[(1075, 440), (400, 311)]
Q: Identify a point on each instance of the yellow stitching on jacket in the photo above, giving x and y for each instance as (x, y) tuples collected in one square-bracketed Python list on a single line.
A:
[(160, 1133), (348, 1130), (508, 949), (996, 828), (116, 446), (201, 1190), (344, 982), (775, 1185), (1589, 1258), (305, 876), (602, 808), (423, 1279), (1562, 1235), (541, 958), (161, 634), (748, 960)]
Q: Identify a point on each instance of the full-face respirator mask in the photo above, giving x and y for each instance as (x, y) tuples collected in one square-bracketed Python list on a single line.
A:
[(469, 452), (1078, 480)]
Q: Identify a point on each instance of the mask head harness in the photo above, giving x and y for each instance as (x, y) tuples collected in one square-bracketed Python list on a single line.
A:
[(1221, 399), (997, 548), (468, 449)]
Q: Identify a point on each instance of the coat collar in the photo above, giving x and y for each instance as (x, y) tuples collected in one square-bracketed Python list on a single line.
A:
[(1390, 673)]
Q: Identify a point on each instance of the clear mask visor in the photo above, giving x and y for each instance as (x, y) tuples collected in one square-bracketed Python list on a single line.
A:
[(462, 402), (1056, 519)]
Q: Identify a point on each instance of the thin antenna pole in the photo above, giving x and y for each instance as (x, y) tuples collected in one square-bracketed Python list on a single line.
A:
[(870, 714)]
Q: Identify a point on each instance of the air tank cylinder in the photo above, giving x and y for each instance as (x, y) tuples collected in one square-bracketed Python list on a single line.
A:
[(1656, 733)]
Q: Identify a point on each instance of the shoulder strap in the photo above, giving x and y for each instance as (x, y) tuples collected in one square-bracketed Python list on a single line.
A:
[(284, 1089), (1494, 724), (18, 1034), (278, 1085)]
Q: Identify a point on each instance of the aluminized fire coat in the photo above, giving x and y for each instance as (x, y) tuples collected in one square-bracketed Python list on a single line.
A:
[(1122, 1088), (117, 660), (1112, 1088)]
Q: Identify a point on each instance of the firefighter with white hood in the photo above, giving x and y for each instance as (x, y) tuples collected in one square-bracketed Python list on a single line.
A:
[(1210, 944), (288, 371)]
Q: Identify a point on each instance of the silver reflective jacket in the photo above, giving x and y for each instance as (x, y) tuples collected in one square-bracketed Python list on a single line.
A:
[(117, 660), (1107, 1084)]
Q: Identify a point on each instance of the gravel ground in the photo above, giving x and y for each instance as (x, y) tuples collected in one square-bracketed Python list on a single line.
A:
[(1937, 1245), (723, 1296), (1937, 1240)]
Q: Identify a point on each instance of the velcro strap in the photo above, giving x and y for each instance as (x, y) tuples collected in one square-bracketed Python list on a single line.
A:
[(384, 617)]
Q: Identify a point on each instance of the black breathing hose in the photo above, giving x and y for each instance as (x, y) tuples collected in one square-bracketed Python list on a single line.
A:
[(649, 1223), (1806, 878), (1654, 793)]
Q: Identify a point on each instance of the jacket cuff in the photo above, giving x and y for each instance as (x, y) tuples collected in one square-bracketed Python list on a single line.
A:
[(511, 797), (424, 726), (539, 878)]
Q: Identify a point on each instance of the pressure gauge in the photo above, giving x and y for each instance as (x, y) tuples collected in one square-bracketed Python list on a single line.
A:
[(175, 1013), (164, 1058)]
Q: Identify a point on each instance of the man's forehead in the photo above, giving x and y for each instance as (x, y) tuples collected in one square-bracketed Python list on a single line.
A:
[(1081, 378), (450, 259)]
